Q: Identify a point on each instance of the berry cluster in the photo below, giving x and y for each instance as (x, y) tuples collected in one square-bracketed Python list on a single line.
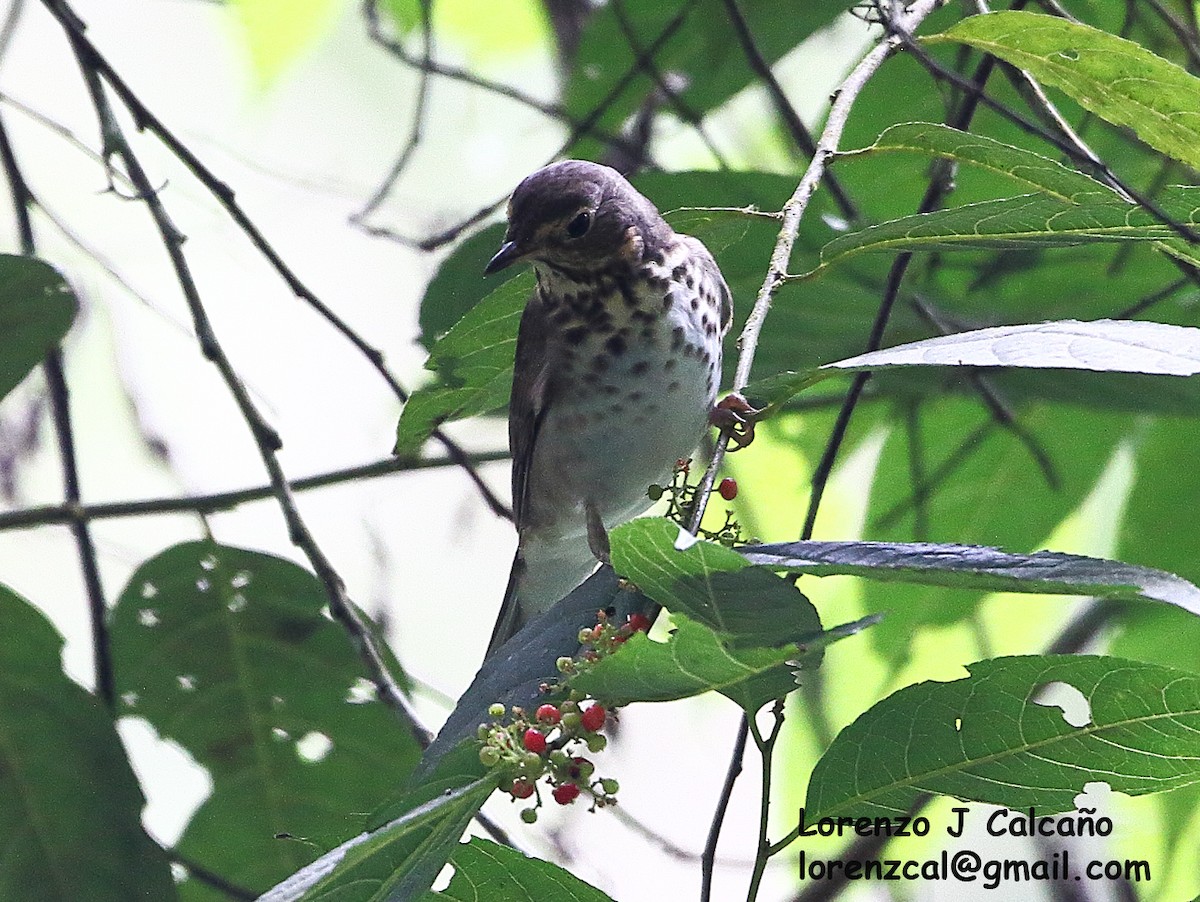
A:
[(547, 744), (681, 503), (530, 748)]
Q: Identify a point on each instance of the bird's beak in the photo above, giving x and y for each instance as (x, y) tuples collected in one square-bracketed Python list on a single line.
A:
[(508, 254)]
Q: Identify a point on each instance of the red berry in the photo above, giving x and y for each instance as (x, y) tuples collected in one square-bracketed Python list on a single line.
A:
[(639, 623), (566, 793), (521, 789), (593, 718), (728, 488), (534, 741), (548, 714)]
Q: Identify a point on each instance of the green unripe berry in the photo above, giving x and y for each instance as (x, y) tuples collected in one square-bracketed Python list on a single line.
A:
[(571, 721), (529, 815), (565, 664), (610, 786), (496, 710), (654, 492), (489, 756), (585, 635), (558, 757), (596, 742)]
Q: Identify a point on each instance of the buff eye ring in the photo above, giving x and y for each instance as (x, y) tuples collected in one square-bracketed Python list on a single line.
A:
[(578, 227)]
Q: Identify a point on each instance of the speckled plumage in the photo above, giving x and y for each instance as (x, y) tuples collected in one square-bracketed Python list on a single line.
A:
[(618, 364)]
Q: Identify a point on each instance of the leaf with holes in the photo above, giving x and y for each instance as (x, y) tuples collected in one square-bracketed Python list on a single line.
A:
[(227, 652), (70, 822), (1116, 79), (36, 310), (986, 738)]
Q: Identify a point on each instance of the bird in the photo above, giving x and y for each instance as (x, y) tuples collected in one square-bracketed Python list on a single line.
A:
[(618, 362)]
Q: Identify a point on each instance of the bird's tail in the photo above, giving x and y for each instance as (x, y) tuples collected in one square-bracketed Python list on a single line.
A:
[(510, 618)]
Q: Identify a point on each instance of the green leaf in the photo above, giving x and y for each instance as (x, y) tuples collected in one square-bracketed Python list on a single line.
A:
[(985, 738), (1114, 346), (978, 567), (753, 618), (1123, 346), (1023, 166), (70, 817), (227, 652), (488, 872), (474, 363), (703, 54), (1034, 220), (711, 584), (459, 284), (400, 858), (1116, 79), (695, 660), (36, 310)]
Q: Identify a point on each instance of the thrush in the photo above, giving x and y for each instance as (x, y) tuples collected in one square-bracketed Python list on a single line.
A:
[(618, 361)]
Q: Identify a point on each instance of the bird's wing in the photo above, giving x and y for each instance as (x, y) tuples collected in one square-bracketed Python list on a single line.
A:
[(529, 401), (526, 413)]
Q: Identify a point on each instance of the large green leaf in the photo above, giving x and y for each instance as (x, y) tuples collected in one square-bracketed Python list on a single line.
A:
[(1029, 221), (1116, 79), (985, 738), (696, 659), (36, 309), (407, 845), (227, 652), (702, 57), (474, 363), (753, 618), (1123, 346), (978, 567), (70, 805), (487, 872), (1023, 166)]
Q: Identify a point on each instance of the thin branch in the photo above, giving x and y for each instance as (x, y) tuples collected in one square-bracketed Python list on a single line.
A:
[(145, 120), (1182, 29), (999, 408), (454, 73), (212, 879), (709, 857), (663, 83), (265, 438), (11, 20), (793, 211), (220, 501), (766, 750), (60, 407), (791, 119), (577, 131), (418, 119)]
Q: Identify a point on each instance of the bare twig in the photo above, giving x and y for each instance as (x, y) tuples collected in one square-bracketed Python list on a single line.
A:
[(265, 438), (220, 501), (663, 83), (60, 407), (583, 127), (793, 211), (709, 857), (418, 119), (146, 120), (791, 119)]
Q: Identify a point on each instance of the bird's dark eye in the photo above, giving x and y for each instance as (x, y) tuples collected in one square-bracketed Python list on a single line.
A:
[(578, 226)]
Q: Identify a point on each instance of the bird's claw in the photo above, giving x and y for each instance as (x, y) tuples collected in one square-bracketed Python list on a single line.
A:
[(735, 417)]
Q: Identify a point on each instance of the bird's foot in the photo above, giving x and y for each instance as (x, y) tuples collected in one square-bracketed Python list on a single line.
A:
[(735, 417)]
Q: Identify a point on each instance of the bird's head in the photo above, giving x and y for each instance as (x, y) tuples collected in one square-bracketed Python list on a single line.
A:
[(580, 216)]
